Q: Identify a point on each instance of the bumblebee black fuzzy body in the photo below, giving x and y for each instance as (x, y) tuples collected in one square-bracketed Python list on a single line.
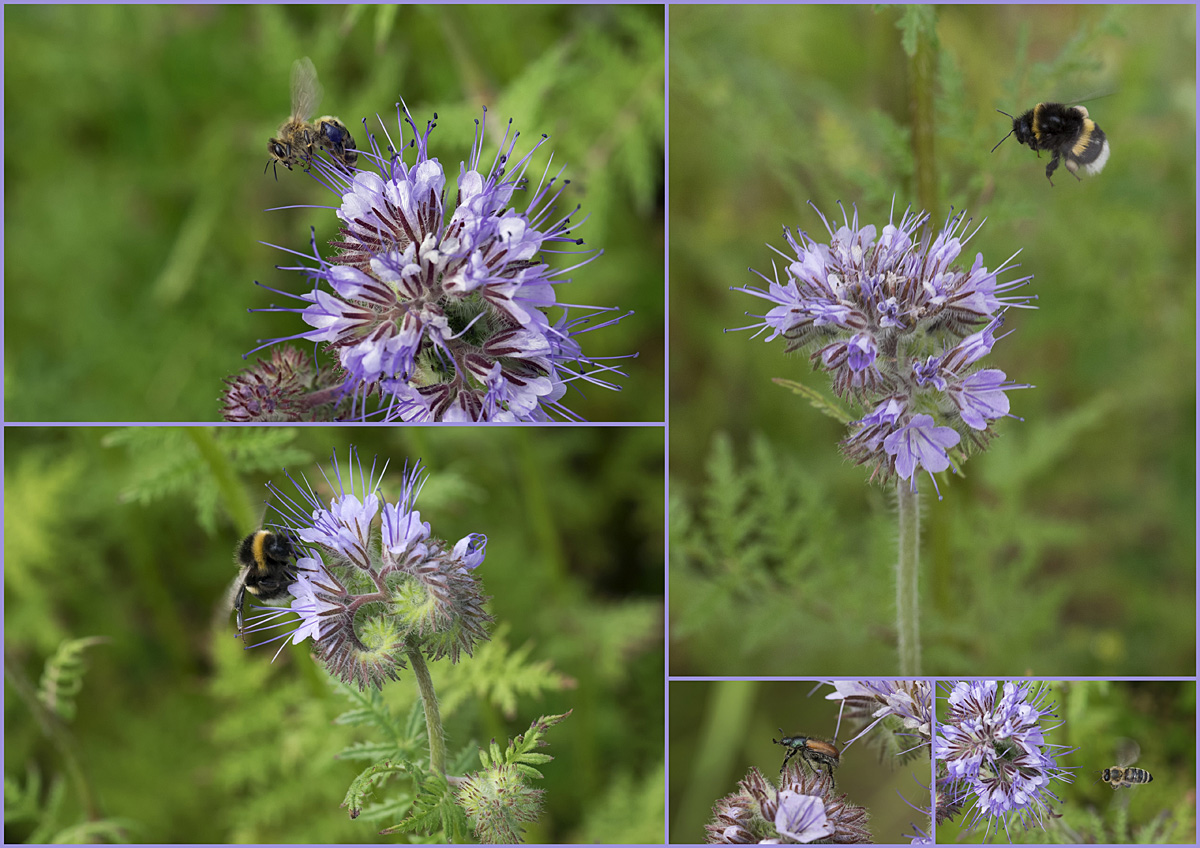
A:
[(268, 569), (814, 752), (1067, 132)]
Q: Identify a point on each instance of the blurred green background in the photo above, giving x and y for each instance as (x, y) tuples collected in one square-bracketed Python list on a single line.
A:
[(1160, 716), (128, 534), (719, 729), (136, 197), (1069, 547)]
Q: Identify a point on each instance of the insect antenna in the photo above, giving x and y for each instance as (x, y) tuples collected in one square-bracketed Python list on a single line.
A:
[(1010, 132)]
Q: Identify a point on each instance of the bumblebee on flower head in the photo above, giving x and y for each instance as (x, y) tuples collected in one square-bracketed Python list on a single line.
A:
[(1067, 131), (266, 559)]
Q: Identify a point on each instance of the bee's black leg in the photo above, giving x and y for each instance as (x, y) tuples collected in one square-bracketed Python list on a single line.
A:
[(237, 605), (1050, 168)]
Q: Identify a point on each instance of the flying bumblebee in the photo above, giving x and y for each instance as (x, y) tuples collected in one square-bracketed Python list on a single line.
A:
[(299, 137), (814, 752), (1121, 775), (1067, 132), (268, 569)]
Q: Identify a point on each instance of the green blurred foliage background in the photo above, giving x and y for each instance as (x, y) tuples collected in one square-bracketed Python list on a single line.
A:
[(1069, 547), (128, 534), (1160, 716), (719, 729), (136, 199)]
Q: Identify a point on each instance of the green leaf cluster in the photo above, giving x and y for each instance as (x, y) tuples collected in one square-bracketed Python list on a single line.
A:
[(68, 809), (36, 812), (62, 678), (521, 751), (759, 556)]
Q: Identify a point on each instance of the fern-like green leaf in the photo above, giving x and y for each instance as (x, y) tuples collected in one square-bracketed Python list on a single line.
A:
[(396, 806), (433, 808), (63, 676), (914, 21), (521, 750), (395, 738), (111, 831), (22, 801), (500, 675), (203, 465), (819, 402), (369, 707), (630, 812), (367, 751), (50, 813), (363, 785)]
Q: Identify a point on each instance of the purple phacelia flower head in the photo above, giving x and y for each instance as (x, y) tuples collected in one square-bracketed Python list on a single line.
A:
[(899, 327), (374, 585), (906, 706), (992, 755), (442, 308)]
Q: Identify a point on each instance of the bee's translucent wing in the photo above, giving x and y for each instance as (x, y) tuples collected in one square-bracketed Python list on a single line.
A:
[(306, 91), (230, 604), (1127, 752)]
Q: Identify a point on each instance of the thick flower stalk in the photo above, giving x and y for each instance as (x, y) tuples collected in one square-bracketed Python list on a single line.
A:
[(901, 332), (374, 587), (446, 311), (802, 808), (992, 756)]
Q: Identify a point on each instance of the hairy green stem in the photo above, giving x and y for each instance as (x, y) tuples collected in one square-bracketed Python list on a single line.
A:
[(924, 129), (229, 486), (907, 623), (433, 717)]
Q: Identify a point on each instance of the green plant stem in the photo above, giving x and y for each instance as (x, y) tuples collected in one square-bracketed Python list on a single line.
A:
[(233, 494), (433, 717), (924, 129), (907, 623), (54, 728)]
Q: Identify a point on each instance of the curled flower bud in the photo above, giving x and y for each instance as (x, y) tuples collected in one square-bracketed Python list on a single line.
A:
[(286, 387)]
